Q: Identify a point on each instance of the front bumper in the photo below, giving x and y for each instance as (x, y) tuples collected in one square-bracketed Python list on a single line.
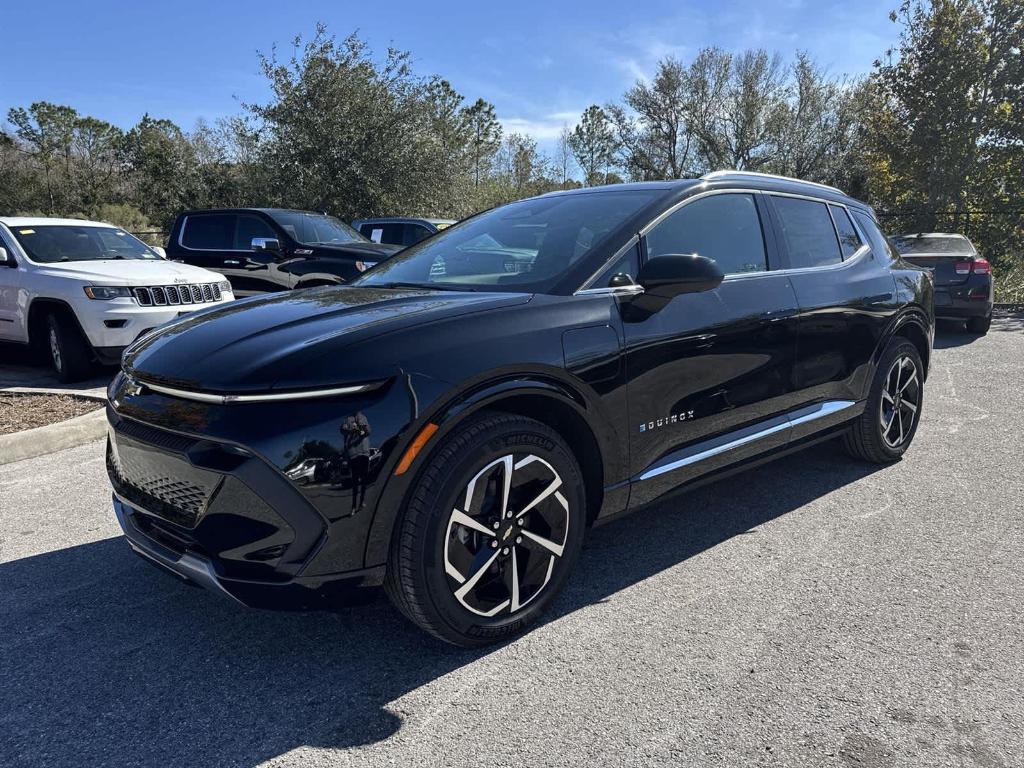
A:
[(220, 517), (116, 323), (296, 594)]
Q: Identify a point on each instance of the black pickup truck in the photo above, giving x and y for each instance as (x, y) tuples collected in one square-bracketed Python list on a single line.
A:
[(273, 249)]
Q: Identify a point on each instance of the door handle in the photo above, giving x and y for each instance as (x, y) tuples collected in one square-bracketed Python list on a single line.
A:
[(232, 262)]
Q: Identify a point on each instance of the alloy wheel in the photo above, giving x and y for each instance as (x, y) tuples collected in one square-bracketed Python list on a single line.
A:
[(503, 543), (901, 401)]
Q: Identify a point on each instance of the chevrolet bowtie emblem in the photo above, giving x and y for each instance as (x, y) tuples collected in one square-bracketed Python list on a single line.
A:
[(133, 388)]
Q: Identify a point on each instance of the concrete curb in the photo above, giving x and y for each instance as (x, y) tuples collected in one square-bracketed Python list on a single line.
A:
[(87, 394), (30, 443)]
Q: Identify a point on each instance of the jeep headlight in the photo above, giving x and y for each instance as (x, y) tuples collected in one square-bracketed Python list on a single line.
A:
[(106, 292), (225, 286)]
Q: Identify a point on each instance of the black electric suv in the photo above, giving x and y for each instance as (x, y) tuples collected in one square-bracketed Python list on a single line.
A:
[(452, 423), (963, 279), (260, 250)]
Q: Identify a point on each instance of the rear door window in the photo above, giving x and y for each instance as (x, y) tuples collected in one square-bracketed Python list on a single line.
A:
[(807, 231), (210, 232), (849, 240), (726, 228)]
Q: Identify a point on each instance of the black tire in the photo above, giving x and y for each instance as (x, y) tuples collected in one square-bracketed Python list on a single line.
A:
[(68, 352), (867, 437), (420, 580), (979, 325)]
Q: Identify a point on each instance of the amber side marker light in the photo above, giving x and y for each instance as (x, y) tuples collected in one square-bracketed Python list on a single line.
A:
[(413, 450)]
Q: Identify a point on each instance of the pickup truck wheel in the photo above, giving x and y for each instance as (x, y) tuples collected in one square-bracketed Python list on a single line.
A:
[(491, 531), (68, 351)]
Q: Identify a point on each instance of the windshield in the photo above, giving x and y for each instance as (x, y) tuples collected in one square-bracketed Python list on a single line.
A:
[(50, 243), (316, 228), (527, 245), (957, 245)]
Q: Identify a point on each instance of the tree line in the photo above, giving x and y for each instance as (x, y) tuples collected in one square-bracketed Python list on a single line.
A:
[(933, 137)]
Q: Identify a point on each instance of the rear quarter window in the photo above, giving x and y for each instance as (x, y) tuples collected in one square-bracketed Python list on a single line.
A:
[(880, 246), (849, 240)]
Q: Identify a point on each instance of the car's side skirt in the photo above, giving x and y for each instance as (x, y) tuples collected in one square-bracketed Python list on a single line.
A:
[(796, 423)]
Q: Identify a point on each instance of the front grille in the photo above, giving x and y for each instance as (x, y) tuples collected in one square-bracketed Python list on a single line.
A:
[(164, 295), (149, 468), (158, 437)]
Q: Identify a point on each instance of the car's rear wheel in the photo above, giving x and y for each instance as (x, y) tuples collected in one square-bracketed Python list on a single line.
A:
[(68, 351), (493, 527), (979, 325), (886, 428)]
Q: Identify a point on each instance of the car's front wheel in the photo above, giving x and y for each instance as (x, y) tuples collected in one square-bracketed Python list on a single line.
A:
[(493, 527), (68, 351)]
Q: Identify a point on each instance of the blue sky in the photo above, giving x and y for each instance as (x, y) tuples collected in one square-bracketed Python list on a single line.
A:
[(540, 63)]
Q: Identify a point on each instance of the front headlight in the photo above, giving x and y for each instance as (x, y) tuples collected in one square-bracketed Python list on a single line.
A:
[(225, 286), (106, 292)]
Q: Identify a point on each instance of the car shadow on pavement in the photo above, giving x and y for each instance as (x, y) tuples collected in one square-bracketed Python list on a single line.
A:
[(108, 660), (951, 333)]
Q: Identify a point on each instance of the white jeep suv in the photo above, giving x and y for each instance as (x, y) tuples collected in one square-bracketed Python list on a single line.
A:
[(81, 291)]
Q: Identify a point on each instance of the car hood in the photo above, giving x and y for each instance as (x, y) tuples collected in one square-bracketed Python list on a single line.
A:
[(250, 345), (129, 272), (366, 251)]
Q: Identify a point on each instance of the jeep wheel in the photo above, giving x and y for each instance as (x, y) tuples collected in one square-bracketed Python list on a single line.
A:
[(68, 351)]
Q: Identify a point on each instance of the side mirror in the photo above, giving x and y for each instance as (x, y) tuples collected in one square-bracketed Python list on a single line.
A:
[(620, 280), (271, 244), (159, 251), (673, 274), (5, 260)]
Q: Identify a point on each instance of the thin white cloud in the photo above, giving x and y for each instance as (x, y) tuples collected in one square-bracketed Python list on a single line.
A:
[(544, 129)]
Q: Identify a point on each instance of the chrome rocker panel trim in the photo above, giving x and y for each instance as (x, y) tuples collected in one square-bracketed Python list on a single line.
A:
[(697, 453)]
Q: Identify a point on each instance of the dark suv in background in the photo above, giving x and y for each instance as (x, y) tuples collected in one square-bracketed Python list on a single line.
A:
[(400, 230), (452, 423), (273, 249), (963, 279)]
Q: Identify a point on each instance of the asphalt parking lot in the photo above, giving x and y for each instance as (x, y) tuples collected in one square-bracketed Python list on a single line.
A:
[(812, 612)]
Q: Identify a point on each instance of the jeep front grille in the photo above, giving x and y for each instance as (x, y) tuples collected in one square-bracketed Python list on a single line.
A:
[(163, 295)]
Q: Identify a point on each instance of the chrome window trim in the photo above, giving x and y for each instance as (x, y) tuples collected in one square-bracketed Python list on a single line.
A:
[(209, 397), (619, 290), (633, 242), (856, 258), (727, 174), (824, 409)]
